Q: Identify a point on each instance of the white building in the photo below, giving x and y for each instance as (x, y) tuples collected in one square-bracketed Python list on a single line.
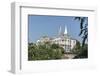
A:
[(63, 39)]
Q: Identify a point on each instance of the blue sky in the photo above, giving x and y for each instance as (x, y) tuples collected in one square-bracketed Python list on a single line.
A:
[(39, 25)]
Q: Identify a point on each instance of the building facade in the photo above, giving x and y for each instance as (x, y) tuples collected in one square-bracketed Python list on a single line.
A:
[(63, 39)]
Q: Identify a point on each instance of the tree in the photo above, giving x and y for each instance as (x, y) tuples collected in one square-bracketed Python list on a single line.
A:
[(44, 51), (84, 34), (76, 48), (83, 28), (31, 49), (83, 52)]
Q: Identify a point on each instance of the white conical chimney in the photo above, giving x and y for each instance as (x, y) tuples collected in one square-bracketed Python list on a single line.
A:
[(65, 32), (60, 31)]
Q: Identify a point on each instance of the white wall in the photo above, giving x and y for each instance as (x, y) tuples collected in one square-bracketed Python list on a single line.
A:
[(5, 32)]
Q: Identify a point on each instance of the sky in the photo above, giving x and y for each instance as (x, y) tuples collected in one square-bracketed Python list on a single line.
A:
[(42, 25)]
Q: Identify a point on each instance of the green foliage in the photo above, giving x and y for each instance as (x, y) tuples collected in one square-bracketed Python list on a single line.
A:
[(77, 48), (55, 46), (83, 52), (45, 51), (80, 51)]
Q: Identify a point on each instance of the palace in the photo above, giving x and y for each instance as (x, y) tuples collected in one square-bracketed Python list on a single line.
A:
[(63, 39)]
